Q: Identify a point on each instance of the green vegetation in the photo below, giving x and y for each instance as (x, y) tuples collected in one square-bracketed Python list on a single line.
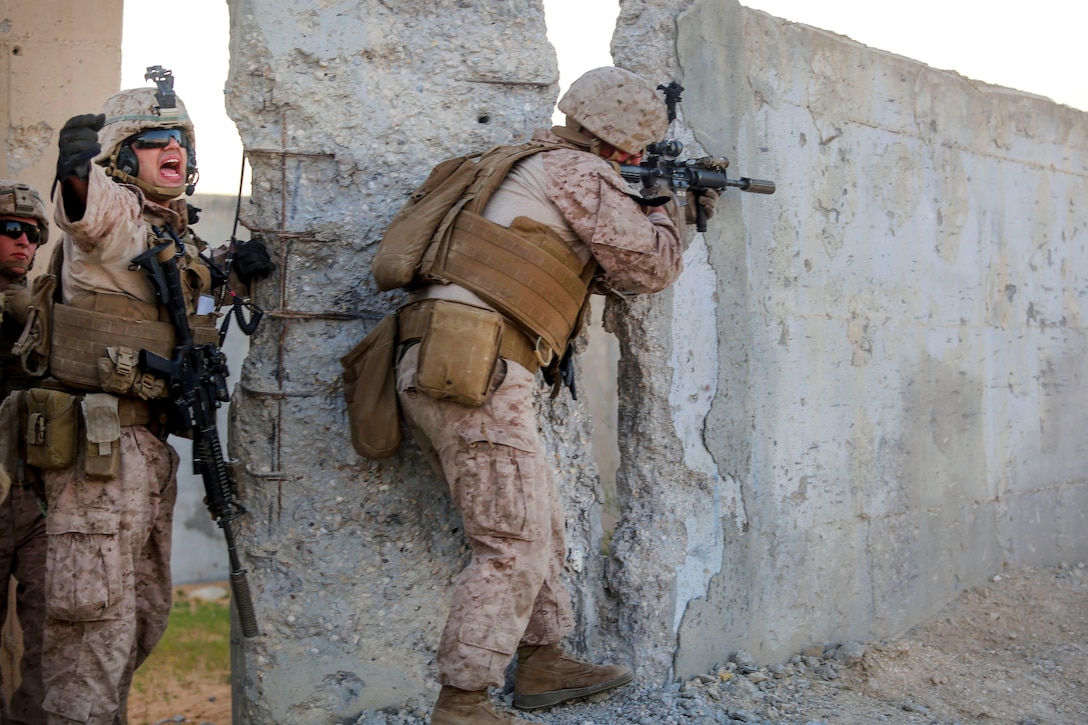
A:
[(195, 647)]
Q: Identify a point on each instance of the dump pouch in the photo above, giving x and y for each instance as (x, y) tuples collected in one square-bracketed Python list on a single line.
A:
[(51, 429), (103, 426), (370, 391), (458, 352)]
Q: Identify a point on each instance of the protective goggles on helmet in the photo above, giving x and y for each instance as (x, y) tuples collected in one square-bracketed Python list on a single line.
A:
[(158, 138), (13, 229)]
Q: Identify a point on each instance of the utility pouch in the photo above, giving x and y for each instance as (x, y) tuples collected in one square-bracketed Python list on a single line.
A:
[(103, 426), (370, 392), (458, 352), (119, 374), (117, 369), (51, 429)]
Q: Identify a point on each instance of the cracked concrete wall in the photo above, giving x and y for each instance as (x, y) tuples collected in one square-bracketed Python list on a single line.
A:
[(859, 399), (888, 412)]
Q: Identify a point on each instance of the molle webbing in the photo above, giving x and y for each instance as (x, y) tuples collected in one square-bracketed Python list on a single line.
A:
[(527, 272), (80, 338), (115, 305)]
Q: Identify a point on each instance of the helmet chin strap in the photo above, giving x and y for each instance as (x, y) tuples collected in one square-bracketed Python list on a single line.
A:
[(7, 276), (575, 133), (158, 193)]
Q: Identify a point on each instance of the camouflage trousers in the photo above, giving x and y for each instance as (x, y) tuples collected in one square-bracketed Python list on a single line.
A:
[(108, 589), (497, 472), (22, 555)]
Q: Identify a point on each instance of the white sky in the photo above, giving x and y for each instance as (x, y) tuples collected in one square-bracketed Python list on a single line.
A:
[(1035, 47)]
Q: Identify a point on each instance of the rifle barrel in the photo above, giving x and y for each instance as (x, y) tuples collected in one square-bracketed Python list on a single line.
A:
[(757, 186), (194, 378)]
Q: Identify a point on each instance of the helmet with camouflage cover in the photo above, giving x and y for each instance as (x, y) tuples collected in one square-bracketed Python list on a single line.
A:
[(134, 110), (618, 107), (23, 200)]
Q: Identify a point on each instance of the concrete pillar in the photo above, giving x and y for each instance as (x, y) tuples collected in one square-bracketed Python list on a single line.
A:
[(342, 113)]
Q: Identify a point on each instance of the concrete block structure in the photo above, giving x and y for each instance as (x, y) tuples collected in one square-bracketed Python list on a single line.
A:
[(864, 395)]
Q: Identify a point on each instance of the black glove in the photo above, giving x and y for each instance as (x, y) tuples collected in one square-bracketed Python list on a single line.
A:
[(78, 145), (706, 198), (251, 261)]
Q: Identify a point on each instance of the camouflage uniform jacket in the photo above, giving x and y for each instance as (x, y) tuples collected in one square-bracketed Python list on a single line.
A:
[(99, 247)]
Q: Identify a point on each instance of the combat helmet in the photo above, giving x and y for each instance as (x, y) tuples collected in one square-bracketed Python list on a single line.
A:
[(19, 199), (138, 109), (618, 107)]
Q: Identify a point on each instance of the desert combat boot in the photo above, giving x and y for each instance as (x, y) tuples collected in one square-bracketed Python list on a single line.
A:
[(469, 707), (546, 675)]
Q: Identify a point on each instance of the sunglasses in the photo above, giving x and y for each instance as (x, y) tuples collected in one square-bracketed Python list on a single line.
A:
[(159, 138), (14, 230)]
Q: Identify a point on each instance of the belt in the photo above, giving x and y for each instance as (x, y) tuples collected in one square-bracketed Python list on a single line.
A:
[(132, 411), (412, 321)]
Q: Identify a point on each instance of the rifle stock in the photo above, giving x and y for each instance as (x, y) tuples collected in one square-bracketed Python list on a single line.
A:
[(196, 379)]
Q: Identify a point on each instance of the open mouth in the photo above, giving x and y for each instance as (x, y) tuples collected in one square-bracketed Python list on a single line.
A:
[(170, 169)]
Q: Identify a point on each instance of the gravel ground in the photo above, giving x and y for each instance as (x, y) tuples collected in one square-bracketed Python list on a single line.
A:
[(1012, 652), (737, 692)]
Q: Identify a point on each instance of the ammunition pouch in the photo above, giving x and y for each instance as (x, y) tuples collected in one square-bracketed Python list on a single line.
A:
[(102, 420), (53, 420), (52, 428)]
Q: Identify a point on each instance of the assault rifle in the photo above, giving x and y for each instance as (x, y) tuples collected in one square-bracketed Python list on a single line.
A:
[(196, 378), (662, 165)]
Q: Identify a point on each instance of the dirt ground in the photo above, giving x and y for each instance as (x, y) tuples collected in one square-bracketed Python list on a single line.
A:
[(1014, 651), (197, 704)]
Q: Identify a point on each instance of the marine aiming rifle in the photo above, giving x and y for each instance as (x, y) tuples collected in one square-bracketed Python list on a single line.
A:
[(662, 166), (196, 378)]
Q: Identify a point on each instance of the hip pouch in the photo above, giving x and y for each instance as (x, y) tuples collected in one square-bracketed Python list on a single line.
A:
[(103, 425), (52, 429), (458, 352)]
